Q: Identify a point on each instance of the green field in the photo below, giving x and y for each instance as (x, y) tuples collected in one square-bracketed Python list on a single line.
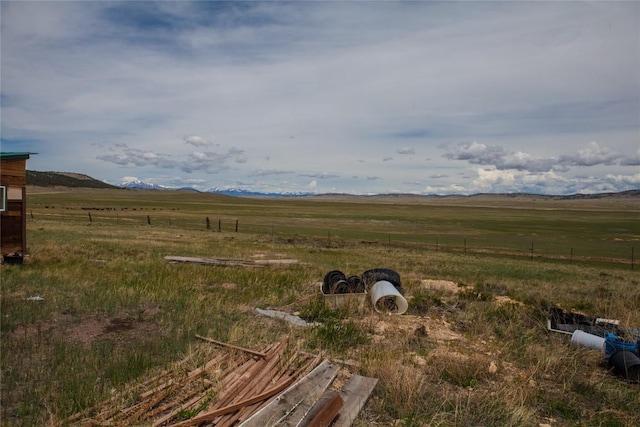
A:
[(597, 229), (97, 259)]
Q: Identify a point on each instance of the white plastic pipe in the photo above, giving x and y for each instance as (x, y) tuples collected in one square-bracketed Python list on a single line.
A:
[(386, 298), (588, 340)]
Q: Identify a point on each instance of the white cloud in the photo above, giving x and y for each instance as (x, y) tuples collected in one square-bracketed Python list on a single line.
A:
[(488, 178), (501, 158), (197, 141), (592, 155), (632, 180)]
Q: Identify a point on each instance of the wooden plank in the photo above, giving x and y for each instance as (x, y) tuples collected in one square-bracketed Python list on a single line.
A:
[(196, 260), (294, 403), (328, 411), (14, 167), (274, 261), (214, 414), (354, 395), (14, 181), (162, 420), (11, 236), (326, 396), (258, 383), (235, 347), (284, 370), (228, 261), (306, 364)]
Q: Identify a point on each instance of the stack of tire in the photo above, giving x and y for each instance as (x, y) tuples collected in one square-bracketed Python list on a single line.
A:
[(336, 282)]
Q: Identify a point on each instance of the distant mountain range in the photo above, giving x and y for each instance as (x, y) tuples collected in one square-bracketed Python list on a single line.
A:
[(141, 185), (64, 179), (73, 180), (68, 179)]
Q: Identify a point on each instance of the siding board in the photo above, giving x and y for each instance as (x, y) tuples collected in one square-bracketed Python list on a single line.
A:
[(13, 222)]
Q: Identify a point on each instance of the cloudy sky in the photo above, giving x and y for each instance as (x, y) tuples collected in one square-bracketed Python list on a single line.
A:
[(357, 97)]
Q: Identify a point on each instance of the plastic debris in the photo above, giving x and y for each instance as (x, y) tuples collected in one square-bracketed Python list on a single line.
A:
[(294, 320)]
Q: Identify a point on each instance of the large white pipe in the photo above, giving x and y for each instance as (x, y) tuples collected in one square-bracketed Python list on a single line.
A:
[(588, 340), (386, 298)]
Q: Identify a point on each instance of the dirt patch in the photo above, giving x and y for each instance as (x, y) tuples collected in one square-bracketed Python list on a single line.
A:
[(125, 327), (386, 327), (442, 285)]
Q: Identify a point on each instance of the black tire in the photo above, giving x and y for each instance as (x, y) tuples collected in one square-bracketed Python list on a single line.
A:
[(356, 285), (370, 277), (340, 287), (331, 279)]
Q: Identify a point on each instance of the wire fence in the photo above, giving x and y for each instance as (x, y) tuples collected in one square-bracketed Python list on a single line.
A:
[(291, 231)]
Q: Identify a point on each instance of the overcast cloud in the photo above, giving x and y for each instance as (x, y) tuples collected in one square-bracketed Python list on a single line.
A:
[(354, 97)]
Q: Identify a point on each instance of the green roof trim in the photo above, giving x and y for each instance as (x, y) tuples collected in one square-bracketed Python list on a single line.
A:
[(14, 155)]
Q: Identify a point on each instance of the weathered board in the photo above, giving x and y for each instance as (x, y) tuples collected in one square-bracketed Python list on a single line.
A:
[(354, 395), (228, 261), (293, 404), (16, 168), (13, 226), (324, 411)]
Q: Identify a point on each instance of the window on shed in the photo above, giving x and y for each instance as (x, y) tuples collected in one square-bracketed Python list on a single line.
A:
[(3, 198)]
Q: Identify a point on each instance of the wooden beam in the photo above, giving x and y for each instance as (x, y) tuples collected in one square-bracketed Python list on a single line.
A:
[(235, 347), (328, 411), (227, 409), (294, 403), (228, 261), (354, 395)]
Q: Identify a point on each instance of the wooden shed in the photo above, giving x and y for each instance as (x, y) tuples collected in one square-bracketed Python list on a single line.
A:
[(13, 204)]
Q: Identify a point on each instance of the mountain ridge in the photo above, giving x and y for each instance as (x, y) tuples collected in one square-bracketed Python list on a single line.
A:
[(76, 180)]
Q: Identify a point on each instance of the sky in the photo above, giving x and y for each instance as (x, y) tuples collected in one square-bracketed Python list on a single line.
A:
[(357, 97)]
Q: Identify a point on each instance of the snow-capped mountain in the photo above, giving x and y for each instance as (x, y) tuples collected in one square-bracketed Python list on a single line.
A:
[(141, 185), (238, 192)]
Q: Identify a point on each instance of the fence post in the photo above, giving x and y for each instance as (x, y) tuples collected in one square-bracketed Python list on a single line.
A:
[(531, 256), (90, 219), (208, 224), (148, 220), (219, 225), (236, 225)]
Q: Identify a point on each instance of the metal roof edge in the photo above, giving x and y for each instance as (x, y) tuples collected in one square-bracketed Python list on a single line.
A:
[(13, 155)]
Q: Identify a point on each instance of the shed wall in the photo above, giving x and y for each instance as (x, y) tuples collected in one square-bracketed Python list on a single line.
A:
[(13, 222)]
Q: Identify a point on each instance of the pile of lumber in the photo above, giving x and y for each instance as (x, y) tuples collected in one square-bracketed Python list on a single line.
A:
[(236, 386)]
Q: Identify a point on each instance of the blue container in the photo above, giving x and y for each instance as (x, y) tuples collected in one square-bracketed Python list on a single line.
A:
[(613, 343)]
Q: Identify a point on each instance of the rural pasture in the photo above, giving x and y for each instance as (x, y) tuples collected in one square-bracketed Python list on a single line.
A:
[(472, 350)]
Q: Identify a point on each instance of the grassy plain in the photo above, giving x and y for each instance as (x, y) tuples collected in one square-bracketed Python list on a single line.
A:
[(476, 354)]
